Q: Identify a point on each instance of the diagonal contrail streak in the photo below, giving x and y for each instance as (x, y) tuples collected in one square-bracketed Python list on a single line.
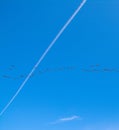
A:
[(43, 55)]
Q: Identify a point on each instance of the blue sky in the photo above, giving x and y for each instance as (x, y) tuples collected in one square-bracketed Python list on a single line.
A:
[(76, 85)]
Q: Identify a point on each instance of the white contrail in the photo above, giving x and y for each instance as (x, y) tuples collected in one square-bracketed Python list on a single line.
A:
[(66, 119), (43, 55)]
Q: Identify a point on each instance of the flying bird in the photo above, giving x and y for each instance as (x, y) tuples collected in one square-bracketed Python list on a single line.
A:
[(6, 76)]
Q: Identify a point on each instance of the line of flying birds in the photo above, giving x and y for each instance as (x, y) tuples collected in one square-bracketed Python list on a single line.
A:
[(91, 68), (43, 71)]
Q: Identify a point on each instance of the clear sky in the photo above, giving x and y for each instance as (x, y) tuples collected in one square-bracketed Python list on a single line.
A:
[(77, 84)]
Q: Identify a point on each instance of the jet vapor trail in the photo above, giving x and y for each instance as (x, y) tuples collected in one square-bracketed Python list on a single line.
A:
[(43, 56)]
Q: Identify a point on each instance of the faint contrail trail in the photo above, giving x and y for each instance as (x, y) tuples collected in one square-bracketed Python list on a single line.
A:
[(43, 55)]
